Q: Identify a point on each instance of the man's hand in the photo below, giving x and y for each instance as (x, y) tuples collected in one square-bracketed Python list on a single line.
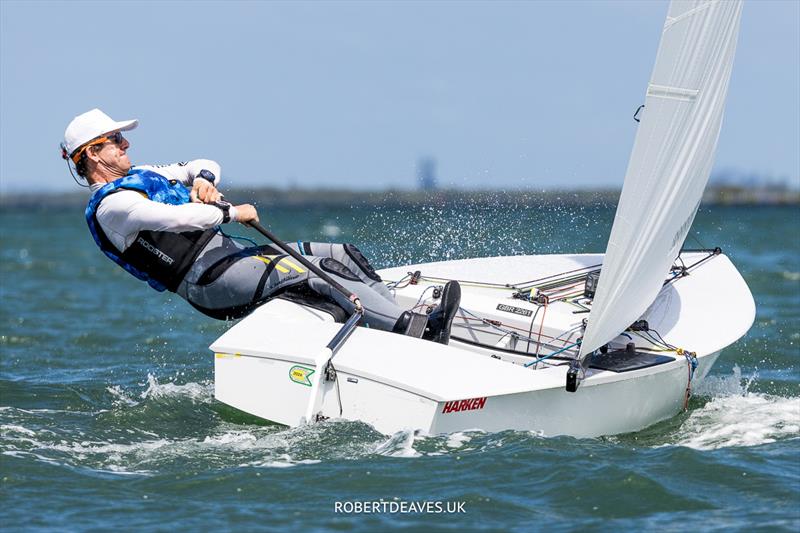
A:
[(203, 191), (246, 213)]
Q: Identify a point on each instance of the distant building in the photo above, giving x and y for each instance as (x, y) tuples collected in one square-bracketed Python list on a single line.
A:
[(426, 173), (750, 188)]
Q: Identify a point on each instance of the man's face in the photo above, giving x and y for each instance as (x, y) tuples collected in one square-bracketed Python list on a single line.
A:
[(115, 154)]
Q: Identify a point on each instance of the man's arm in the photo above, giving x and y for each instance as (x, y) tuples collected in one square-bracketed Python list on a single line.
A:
[(201, 176), (124, 214), (187, 171)]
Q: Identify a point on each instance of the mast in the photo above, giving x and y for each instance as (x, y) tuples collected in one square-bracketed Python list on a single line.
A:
[(669, 166)]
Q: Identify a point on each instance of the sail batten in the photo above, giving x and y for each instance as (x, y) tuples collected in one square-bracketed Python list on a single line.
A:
[(703, 5), (678, 93), (670, 163)]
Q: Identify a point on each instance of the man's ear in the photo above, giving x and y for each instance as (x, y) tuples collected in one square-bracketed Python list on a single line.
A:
[(93, 154)]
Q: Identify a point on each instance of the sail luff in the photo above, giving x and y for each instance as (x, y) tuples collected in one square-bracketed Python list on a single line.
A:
[(670, 163)]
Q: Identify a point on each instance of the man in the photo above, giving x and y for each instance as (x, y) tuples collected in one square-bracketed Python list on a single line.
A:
[(161, 224)]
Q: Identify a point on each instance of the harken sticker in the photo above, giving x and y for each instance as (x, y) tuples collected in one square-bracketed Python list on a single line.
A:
[(464, 405), (301, 375)]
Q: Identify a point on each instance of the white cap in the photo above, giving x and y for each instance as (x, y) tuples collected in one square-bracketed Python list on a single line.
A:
[(90, 125)]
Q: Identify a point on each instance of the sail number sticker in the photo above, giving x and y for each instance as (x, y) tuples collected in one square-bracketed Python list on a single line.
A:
[(301, 375), (464, 405), (515, 310)]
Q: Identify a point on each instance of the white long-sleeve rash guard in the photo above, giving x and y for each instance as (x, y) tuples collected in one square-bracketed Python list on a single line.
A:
[(124, 214)]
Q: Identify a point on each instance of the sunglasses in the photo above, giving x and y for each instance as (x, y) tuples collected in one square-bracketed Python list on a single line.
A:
[(115, 138)]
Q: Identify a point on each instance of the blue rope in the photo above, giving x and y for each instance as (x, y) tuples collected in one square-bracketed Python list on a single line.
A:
[(565, 348), (691, 359), (251, 241)]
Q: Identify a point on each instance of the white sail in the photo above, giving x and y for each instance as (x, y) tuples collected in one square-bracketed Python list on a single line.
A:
[(671, 160)]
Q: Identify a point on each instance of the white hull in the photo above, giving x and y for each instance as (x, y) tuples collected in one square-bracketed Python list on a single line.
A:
[(264, 363), (259, 386)]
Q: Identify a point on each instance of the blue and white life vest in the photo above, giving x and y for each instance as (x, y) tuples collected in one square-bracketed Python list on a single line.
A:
[(161, 258)]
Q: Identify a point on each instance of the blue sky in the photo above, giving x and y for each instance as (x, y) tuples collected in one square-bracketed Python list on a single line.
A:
[(351, 94)]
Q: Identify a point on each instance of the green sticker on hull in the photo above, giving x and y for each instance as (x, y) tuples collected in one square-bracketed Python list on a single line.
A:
[(301, 375)]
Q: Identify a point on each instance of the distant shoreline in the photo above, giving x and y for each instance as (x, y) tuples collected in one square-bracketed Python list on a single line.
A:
[(266, 197)]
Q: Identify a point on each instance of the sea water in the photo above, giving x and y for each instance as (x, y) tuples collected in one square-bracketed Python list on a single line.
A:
[(108, 420)]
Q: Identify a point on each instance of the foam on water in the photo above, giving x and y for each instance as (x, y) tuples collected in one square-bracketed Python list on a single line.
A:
[(737, 417), (458, 439), (231, 438), (120, 397), (401, 444), (791, 276), (196, 392), (200, 392), (11, 428), (283, 461), (248, 447), (748, 420), (127, 439)]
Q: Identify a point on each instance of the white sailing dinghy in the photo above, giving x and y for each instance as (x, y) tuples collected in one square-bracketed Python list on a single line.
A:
[(582, 345)]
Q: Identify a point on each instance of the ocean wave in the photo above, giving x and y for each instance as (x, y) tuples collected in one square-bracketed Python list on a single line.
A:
[(134, 438), (199, 392), (412, 444), (737, 417), (401, 444), (12, 428), (749, 420), (130, 450), (283, 461), (154, 390), (458, 439), (120, 397), (232, 438), (791, 276)]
